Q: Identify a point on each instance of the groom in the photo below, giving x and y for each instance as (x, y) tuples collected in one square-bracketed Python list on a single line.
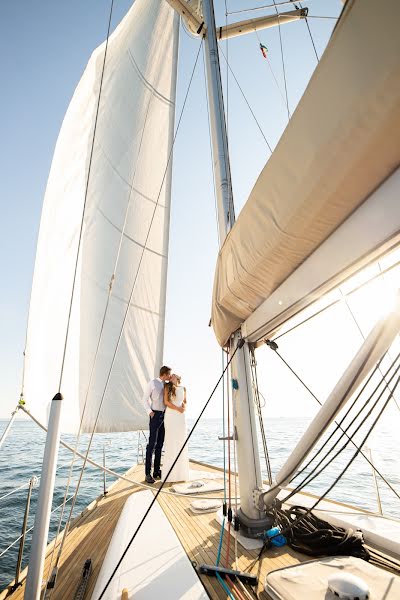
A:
[(153, 400)]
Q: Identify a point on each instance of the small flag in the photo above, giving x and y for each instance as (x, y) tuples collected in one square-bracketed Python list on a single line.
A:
[(264, 50)]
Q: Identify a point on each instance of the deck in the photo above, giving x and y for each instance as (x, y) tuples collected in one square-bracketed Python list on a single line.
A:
[(91, 532)]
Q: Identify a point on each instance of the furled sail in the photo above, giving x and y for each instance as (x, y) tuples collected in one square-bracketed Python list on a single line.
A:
[(124, 235), (340, 146)]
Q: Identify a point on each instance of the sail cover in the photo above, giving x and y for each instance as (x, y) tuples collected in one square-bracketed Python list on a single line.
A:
[(342, 142), (124, 234)]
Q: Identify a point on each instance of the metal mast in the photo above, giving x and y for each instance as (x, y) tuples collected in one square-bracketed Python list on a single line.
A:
[(252, 519)]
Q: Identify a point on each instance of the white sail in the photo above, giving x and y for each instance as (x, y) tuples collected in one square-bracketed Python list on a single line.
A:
[(341, 144), (126, 222)]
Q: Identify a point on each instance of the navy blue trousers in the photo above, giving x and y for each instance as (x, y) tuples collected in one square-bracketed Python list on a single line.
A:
[(156, 441)]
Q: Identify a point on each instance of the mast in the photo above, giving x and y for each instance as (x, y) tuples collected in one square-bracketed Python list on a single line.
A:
[(250, 482)]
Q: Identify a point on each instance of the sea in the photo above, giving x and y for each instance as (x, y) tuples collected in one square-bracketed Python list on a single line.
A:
[(22, 453)]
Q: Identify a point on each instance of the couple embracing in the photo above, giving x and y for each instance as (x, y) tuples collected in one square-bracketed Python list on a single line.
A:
[(165, 402)]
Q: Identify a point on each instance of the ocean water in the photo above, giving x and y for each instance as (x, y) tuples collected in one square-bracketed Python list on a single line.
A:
[(21, 456)]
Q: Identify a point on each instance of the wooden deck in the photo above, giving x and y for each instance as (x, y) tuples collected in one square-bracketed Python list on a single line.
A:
[(91, 532)]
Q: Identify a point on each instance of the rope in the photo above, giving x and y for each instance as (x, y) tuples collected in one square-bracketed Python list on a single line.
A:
[(166, 478), (245, 98), (128, 306)]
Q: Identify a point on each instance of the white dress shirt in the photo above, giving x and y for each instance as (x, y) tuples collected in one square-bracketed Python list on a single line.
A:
[(153, 397)]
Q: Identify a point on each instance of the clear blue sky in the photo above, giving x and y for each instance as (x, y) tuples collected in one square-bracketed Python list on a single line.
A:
[(44, 47)]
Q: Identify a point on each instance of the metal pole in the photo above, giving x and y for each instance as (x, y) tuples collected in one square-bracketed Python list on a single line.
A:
[(32, 483), (42, 517), (250, 482), (7, 429)]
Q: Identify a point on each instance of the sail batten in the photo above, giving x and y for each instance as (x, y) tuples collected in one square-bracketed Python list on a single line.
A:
[(346, 129), (124, 248)]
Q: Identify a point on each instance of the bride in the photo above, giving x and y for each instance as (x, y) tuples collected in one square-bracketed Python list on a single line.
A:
[(175, 431)]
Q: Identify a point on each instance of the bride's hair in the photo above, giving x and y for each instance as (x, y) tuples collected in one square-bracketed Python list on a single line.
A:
[(171, 387)]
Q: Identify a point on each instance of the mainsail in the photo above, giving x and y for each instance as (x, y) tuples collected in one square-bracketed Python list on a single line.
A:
[(124, 241), (340, 146)]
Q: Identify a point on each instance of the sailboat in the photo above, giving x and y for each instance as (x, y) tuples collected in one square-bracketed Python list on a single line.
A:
[(97, 311)]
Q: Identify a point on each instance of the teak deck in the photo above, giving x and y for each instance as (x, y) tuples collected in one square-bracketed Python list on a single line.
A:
[(91, 532)]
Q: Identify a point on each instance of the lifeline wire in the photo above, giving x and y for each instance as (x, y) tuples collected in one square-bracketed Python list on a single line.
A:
[(114, 473)]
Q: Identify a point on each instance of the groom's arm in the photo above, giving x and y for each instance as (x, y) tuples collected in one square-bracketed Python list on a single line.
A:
[(146, 400)]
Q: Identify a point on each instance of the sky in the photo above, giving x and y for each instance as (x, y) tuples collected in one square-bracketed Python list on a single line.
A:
[(44, 49)]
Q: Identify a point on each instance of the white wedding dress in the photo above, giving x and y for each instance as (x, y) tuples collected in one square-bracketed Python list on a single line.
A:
[(175, 436)]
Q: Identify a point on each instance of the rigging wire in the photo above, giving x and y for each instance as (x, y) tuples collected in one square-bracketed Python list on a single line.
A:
[(334, 302), (272, 71), (128, 307), (245, 99), (311, 37), (311, 476), (166, 478), (344, 298), (251, 9), (253, 364), (350, 462), (340, 423), (283, 60), (377, 471)]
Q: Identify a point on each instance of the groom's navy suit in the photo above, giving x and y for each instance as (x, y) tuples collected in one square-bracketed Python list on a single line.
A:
[(153, 400)]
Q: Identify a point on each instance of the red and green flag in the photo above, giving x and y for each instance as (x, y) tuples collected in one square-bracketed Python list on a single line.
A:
[(264, 50)]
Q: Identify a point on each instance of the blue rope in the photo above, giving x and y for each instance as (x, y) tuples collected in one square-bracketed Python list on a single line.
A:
[(220, 541), (227, 590)]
